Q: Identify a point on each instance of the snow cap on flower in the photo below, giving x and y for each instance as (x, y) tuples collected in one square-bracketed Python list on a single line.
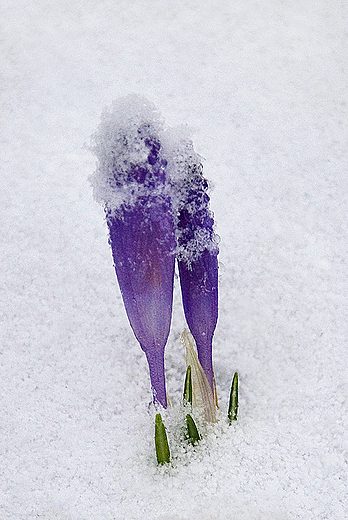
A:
[(190, 200), (127, 146), (130, 183)]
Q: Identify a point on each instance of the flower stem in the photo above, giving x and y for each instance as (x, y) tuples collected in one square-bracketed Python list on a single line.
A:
[(155, 359)]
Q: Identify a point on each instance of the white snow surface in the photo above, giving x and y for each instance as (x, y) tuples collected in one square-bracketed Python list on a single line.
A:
[(263, 85)]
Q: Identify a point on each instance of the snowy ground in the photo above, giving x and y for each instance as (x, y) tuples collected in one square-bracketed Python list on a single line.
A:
[(264, 87)]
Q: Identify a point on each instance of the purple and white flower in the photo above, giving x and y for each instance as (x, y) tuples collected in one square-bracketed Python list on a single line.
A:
[(131, 183), (197, 248), (151, 185)]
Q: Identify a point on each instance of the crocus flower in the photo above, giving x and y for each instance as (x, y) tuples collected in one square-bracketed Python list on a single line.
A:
[(197, 250), (131, 184)]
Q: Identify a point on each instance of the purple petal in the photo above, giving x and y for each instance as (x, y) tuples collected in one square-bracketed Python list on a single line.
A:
[(199, 289), (197, 249), (142, 244), (130, 182)]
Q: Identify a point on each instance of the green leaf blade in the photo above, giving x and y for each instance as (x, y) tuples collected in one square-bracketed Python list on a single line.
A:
[(192, 432), (233, 404), (161, 441), (188, 386)]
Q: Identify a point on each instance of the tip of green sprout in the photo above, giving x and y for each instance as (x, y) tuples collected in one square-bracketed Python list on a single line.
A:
[(161, 441), (233, 404), (192, 432), (188, 386)]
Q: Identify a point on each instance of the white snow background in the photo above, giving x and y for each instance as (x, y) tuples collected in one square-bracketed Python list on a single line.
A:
[(263, 85)]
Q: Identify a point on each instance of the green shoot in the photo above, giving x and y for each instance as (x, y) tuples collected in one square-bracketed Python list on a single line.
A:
[(192, 432), (161, 441), (188, 386), (233, 405)]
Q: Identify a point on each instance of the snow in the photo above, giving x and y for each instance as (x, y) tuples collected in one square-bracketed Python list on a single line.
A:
[(121, 144), (263, 85)]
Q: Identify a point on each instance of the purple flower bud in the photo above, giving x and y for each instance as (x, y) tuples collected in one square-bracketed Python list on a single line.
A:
[(197, 250), (130, 182), (199, 288)]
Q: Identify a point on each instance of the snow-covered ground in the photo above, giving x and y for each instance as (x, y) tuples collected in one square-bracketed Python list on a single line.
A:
[(263, 85)]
